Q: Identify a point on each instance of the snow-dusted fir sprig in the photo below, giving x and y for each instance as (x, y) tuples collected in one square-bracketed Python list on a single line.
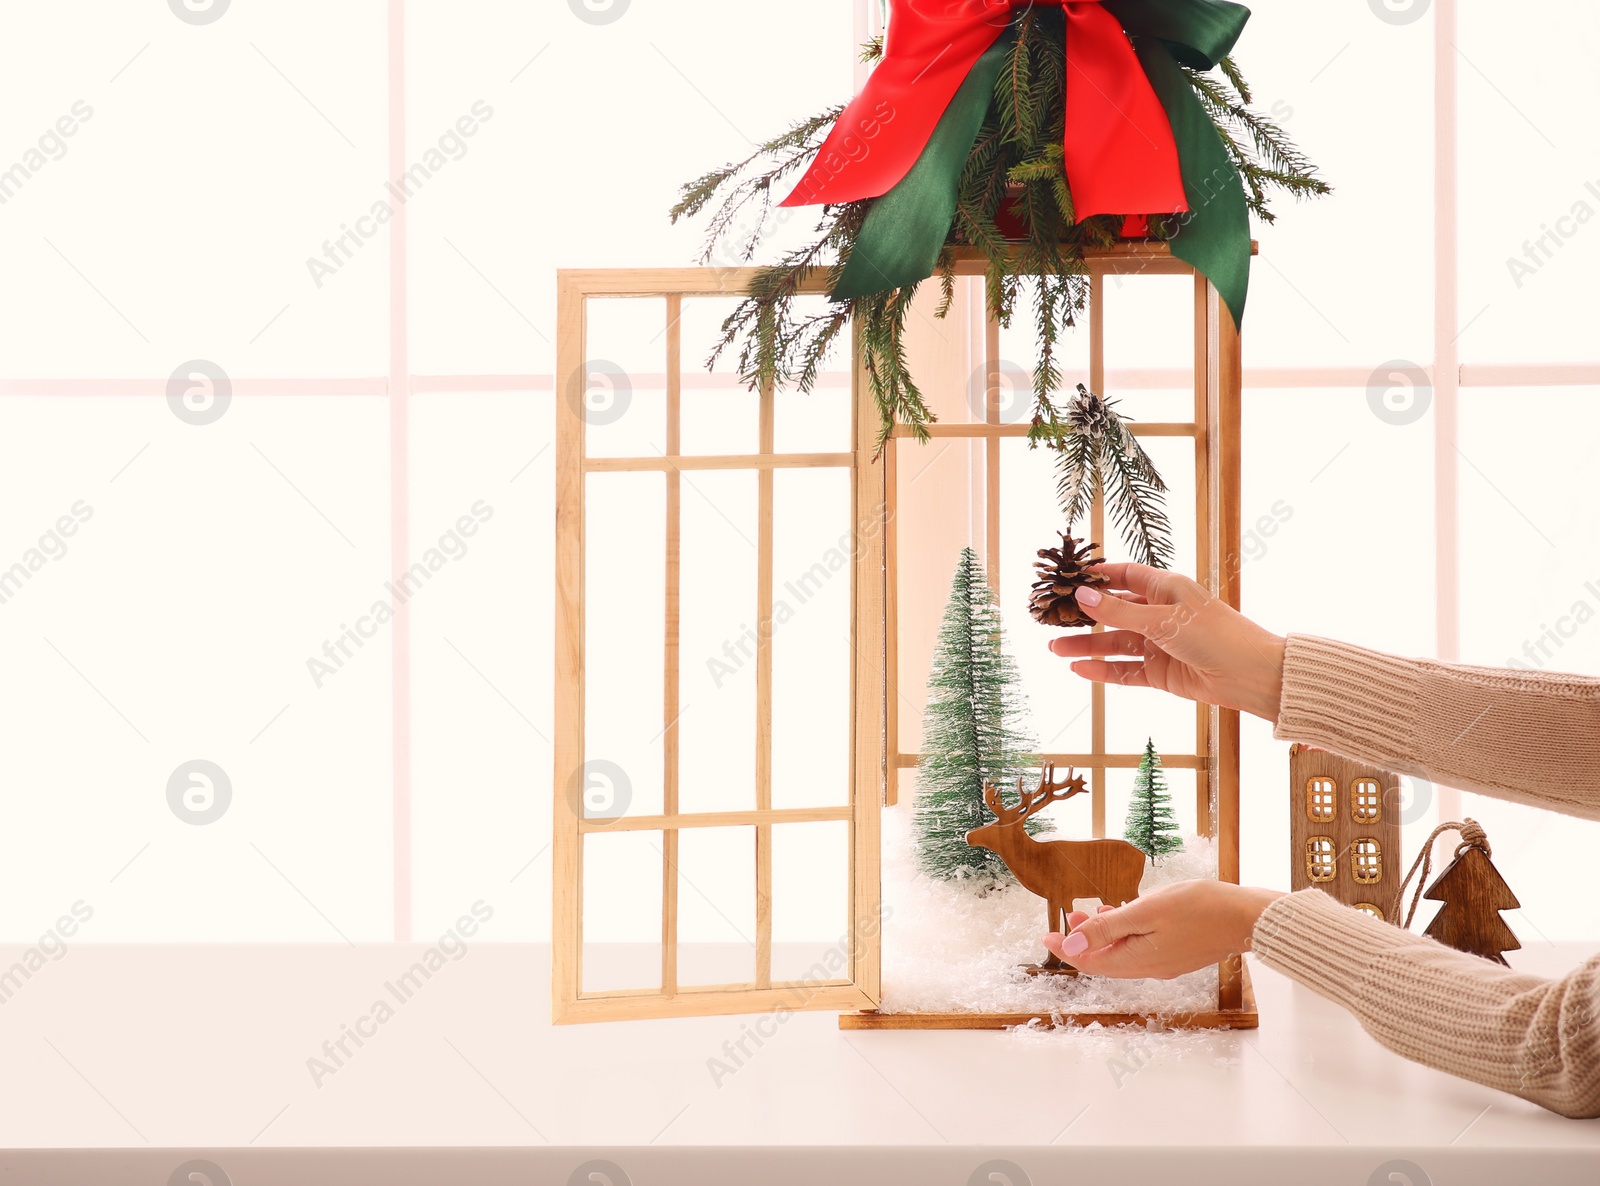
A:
[(1100, 455)]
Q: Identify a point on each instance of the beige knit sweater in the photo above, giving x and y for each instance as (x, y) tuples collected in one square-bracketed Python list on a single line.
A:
[(1526, 736)]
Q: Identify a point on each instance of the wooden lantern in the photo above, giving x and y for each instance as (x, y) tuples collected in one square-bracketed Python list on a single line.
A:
[(852, 983)]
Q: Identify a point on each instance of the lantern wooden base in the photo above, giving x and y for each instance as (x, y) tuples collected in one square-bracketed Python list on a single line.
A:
[(1243, 1018)]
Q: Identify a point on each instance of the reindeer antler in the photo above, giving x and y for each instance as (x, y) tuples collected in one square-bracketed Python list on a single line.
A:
[(1049, 790), (991, 800), (1028, 802)]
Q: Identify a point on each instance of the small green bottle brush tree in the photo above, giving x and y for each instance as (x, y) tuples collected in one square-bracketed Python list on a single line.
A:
[(970, 733), (1152, 827)]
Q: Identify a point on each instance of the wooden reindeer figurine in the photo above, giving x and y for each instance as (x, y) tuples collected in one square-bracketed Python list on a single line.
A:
[(1058, 870)]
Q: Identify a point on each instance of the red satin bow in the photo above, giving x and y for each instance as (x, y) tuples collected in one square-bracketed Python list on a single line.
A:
[(1119, 149)]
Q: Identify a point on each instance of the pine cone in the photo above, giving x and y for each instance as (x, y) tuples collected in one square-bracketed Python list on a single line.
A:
[(1088, 413), (1061, 572)]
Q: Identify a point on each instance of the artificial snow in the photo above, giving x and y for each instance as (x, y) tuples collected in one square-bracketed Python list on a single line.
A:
[(955, 946), (1127, 1049)]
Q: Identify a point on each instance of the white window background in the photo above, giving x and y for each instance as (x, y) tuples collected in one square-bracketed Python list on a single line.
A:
[(374, 410)]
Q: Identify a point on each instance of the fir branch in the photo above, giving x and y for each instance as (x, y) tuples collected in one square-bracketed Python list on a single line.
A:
[(1051, 74), (1130, 446), (1014, 95), (773, 347), (1050, 168), (979, 229), (802, 138), (811, 345), (1042, 169), (1230, 70), (1136, 505), (791, 149), (1047, 427), (884, 358), (1266, 156), (947, 281), (1076, 483), (1099, 457)]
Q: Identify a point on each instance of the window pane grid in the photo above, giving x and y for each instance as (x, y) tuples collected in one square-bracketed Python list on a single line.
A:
[(1322, 863), (1366, 801), (1367, 863), (1320, 800)]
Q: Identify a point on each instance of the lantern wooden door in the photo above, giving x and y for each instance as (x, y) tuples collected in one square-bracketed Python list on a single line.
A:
[(653, 790)]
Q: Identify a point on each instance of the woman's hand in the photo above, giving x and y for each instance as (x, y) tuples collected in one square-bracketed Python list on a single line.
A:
[(1178, 638), (1173, 929)]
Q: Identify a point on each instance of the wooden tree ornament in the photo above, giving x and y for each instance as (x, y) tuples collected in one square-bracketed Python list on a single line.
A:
[(1473, 893), (1059, 871)]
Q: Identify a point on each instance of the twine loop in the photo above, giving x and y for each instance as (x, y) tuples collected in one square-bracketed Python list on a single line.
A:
[(1472, 836)]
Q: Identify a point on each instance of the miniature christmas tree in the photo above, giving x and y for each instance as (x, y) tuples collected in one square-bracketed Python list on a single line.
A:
[(1473, 893), (970, 732), (1152, 828)]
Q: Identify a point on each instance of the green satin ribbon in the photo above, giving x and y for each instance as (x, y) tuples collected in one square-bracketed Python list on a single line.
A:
[(1214, 235), (905, 229), (1200, 33)]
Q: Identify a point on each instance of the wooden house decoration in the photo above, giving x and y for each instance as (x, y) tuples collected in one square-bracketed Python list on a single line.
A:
[(881, 496), (1344, 829)]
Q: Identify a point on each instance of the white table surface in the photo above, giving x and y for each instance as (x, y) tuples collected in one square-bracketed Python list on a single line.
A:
[(154, 1055)]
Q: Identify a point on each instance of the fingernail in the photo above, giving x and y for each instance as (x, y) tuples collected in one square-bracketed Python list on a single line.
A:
[(1087, 595), (1075, 943)]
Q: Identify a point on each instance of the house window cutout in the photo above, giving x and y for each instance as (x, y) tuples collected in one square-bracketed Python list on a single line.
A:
[(1321, 794), (1367, 866), (1371, 909), (1366, 801), (1321, 863)]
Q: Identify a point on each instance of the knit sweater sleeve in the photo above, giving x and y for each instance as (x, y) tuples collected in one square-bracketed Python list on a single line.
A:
[(1444, 1008), (1526, 736), (1529, 737)]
